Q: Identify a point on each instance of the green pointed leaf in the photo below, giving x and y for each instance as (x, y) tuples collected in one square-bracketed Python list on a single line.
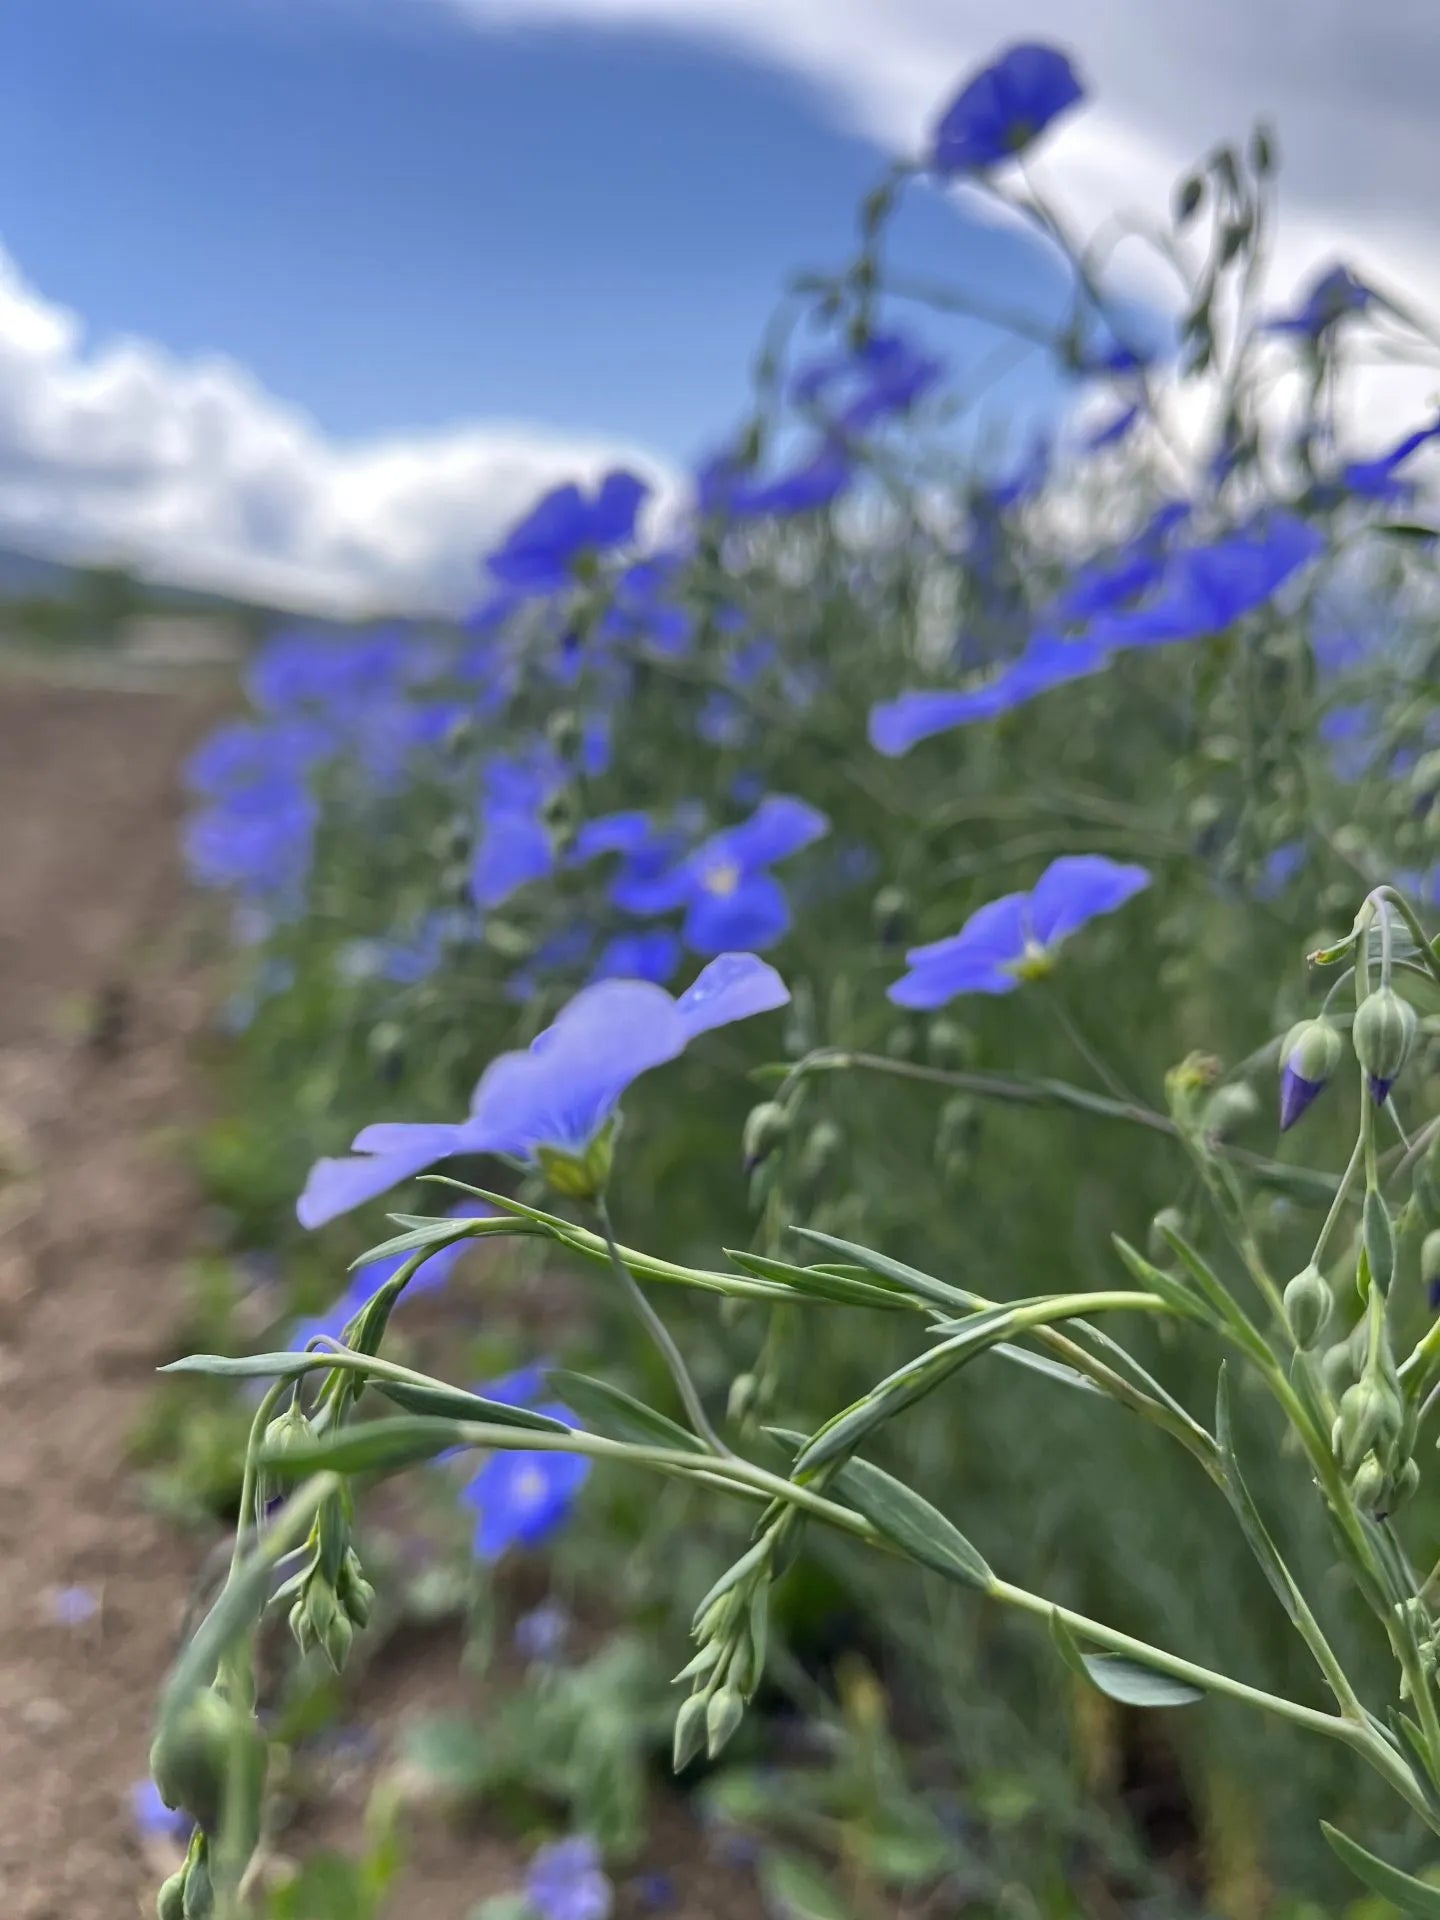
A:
[(434, 1234), (605, 1410), (1256, 1533), (1228, 1310), (247, 1366), (1136, 1685), (454, 1403), (904, 1387), (821, 1283), (907, 1520), (1400, 1889), (923, 1285), (1171, 1290), (375, 1446)]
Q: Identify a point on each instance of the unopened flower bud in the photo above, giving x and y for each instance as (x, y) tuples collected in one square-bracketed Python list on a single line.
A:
[(1430, 1265), (1405, 1484), (1308, 1058), (765, 1127), (170, 1901), (336, 1641), (1369, 1487), (824, 1142), (1308, 1305), (744, 1393), (723, 1714), (689, 1731), (198, 1902), (1228, 1109), (1370, 1419), (890, 911), (1383, 1034), (386, 1046)]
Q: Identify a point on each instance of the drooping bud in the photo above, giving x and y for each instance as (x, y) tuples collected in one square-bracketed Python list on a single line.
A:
[(1430, 1265), (1228, 1109), (690, 1731), (825, 1142), (170, 1901), (891, 913), (765, 1127), (1308, 1305), (1369, 1487), (1308, 1058), (1383, 1034), (1168, 1219), (723, 1714)]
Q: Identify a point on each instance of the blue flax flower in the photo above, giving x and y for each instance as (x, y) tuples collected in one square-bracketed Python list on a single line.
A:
[(521, 1496), (153, 1819), (1048, 661), (1206, 589), (885, 376), (562, 534), (1016, 937), (559, 1094), (1004, 108), (567, 1881), (730, 897)]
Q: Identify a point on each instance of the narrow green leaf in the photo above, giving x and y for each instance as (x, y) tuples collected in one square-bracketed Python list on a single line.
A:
[(904, 1387), (1400, 1889), (618, 1416), (1171, 1290), (440, 1233), (247, 1366), (1257, 1535), (1221, 1300), (821, 1283), (907, 1520), (938, 1292), (454, 1403), (1135, 1685), (375, 1446)]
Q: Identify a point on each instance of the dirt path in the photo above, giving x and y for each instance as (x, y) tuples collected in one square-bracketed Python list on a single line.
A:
[(94, 1220)]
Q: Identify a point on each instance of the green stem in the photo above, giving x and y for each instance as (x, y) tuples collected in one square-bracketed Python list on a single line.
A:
[(660, 1335), (258, 1425), (1342, 1192)]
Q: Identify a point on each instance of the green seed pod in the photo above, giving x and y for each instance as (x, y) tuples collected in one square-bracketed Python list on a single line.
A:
[(1308, 1306), (199, 1899), (1383, 1034), (190, 1755), (1337, 1368), (723, 1714), (689, 1731), (765, 1128), (1405, 1485)]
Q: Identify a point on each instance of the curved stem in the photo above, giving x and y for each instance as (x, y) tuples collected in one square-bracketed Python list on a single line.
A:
[(660, 1334)]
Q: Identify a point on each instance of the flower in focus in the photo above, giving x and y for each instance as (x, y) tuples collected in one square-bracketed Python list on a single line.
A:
[(550, 548), (730, 897), (1004, 108), (567, 1881), (521, 1496), (1016, 937), (557, 1096)]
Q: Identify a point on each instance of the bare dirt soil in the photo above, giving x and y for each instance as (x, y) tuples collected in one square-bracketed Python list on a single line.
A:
[(102, 1004)]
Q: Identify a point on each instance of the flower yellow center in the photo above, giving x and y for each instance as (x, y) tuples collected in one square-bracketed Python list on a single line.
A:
[(1034, 963), (722, 879)]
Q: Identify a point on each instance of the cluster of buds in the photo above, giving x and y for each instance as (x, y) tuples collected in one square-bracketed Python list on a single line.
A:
[(1424, 1633), (209, 1761), (729, 1629), (330, 1596), (1374, 1432)]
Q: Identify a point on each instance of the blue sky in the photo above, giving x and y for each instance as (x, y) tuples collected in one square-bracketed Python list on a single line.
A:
[(399, 224), (310, 297)]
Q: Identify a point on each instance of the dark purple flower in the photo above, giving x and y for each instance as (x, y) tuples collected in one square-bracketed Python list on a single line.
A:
[(1003, 109)]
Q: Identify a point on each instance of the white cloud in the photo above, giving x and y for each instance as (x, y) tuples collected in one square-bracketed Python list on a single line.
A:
[(190, 470), (1352, 96)]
